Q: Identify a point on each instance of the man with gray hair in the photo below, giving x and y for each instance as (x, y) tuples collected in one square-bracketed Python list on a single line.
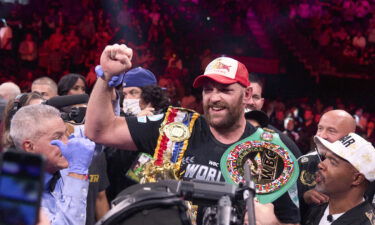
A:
[(39, 129), (45, 86), (9, 90)]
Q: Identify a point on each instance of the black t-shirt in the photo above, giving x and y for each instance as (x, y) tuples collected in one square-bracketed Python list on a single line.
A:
[(202, 158), (362, 214), (308, 165), (98, 182), (119, 162)]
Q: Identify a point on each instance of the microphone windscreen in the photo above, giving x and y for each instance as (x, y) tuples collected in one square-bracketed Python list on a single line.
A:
[(330, 218), (67, 100)]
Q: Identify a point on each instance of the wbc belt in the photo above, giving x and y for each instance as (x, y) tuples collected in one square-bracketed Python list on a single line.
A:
[(274, 168)]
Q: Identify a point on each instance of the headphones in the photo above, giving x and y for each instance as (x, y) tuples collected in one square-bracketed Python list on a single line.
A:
[(19, 101)]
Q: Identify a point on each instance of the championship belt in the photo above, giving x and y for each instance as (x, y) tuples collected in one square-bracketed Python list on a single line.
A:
[(274, 168), (174, 134)]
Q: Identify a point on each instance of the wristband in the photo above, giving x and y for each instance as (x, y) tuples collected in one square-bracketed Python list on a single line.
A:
[(114, 81), (99, 71)]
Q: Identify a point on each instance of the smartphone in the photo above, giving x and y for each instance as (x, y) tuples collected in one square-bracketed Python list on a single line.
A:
[(21, 186)]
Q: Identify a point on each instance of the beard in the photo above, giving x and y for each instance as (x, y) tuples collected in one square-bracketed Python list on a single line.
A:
[(227, 121)]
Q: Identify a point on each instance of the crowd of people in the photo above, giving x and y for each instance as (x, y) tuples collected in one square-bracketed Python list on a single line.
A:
[(141, 121), (164, 35), (343, 29)]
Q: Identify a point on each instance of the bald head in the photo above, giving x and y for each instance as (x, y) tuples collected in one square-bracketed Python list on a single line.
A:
[(9, 90), (45, 86), (335, 124)]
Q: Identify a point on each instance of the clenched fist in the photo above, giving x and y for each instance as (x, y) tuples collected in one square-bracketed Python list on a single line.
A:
[(115, 59)]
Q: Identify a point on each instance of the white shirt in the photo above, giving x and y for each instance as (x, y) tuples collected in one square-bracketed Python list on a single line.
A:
[(324, 220)]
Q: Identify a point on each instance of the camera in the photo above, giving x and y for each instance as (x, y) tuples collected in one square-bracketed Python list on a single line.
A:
[(21, 186), (72, 107), (144, 203), (74, 115)]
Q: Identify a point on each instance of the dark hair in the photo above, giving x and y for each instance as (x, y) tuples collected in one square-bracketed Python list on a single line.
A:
[(255, 78), (68, 81), (156, 96)]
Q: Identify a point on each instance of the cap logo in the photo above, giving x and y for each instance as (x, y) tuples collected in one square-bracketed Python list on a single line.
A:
[(224, 66), (347, 141), (221, 66)]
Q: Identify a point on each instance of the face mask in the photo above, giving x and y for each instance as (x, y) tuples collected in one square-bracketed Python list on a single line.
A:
[(131, 106)]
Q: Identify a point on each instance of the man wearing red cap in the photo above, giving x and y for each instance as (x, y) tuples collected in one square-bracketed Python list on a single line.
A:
[(225, 91), (193, 142)]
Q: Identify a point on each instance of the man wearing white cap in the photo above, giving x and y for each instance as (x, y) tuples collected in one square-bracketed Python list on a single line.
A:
[(332, 126), (345, 172)]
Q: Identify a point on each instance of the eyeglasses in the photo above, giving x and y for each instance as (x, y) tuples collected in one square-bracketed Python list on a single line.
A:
[(256, 97)]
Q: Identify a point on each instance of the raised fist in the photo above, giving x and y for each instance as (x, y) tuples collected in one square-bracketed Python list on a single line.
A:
[(115, 59)]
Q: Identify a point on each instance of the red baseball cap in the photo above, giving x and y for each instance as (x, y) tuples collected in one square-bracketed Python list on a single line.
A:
[(224, 70)]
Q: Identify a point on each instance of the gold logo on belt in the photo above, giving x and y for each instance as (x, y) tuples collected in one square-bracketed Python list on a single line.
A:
[(176, 131), (307, 178)]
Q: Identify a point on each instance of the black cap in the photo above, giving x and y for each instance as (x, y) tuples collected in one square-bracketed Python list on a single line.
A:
[(258, 116)]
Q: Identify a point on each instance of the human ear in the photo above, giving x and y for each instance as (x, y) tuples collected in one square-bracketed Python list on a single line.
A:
[(28, 146), (248, 95), (358, 179)]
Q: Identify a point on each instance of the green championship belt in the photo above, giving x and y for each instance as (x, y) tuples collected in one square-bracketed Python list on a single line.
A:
[(274, 168)]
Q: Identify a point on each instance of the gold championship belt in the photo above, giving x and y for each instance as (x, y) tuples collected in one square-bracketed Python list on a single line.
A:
[(273, 167), (175, 131), (174, 134)]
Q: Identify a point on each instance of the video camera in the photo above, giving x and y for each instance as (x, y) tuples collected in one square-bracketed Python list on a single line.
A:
[(147, 203), (67, 105)]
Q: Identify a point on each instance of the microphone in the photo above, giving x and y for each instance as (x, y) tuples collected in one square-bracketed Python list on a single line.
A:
[(249, 193), (67, 100), (330, 218), (224, 211)]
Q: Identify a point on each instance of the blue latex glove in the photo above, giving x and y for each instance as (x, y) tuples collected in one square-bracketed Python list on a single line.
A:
[(78, 152), (114, 81)]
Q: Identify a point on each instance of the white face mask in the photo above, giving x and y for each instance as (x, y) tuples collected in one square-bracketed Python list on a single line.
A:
[(131, 106)]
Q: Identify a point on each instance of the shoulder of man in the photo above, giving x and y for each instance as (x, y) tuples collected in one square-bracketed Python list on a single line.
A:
[(309, 158), (370, 215), (314, 214), (287, 141), (308, 165), (362, 214)]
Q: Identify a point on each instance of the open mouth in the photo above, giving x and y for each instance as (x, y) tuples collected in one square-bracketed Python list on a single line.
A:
[(59, 154), (318, 177), (217, 108)]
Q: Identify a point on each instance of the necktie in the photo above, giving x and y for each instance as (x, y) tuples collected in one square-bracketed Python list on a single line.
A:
[(53, 181)]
